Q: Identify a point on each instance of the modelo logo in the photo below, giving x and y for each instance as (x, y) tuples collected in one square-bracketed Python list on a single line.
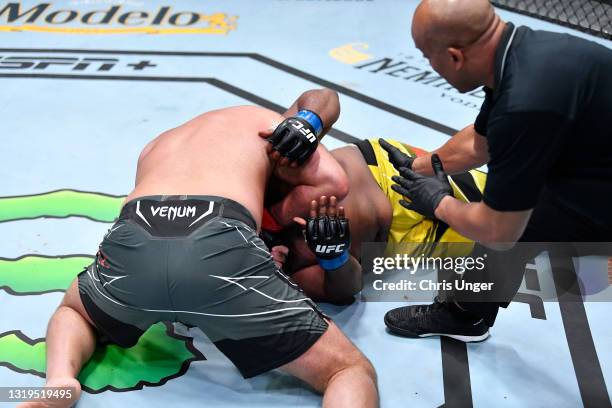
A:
[(163, 21)]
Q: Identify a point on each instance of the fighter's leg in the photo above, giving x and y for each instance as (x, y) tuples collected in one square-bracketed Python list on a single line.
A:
[(261, 320), (336, 368), (71, 340)]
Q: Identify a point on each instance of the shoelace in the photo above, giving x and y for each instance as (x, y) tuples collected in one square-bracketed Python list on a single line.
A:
[(422, 313), (436, 305)]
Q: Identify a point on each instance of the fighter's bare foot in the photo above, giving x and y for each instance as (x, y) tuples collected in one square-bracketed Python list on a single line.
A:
[(69, 391)]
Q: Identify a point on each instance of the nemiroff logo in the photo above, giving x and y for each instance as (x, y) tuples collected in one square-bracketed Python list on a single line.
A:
[(115, 19)]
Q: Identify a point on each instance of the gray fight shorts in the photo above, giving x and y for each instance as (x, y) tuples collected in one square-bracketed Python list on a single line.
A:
[(198, 260)]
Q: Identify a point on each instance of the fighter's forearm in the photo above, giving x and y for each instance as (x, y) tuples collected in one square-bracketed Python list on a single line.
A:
[(324, 102), (297, 202), (466, 150), (321, 175), (343, 283), (338, 286)]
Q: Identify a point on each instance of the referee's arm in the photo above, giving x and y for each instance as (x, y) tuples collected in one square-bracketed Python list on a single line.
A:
[(523, 148), (466, 150)]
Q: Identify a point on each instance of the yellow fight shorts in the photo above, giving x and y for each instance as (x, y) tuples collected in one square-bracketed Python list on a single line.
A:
[(409, 226)]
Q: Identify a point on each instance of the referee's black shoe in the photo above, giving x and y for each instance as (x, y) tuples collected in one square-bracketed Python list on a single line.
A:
[(436, 319)]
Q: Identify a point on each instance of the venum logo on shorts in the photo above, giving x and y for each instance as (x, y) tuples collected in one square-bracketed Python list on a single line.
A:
[(172, 212)]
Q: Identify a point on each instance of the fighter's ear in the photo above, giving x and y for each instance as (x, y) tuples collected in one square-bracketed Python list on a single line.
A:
[(456, 55)]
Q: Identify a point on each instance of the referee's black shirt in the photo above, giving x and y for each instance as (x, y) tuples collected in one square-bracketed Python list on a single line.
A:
[(548, 124)]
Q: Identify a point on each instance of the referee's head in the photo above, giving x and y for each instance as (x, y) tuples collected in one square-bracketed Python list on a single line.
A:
[(459, 38)]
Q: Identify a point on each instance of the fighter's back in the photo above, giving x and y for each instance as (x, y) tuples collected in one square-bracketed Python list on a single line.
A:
[(217, 153)]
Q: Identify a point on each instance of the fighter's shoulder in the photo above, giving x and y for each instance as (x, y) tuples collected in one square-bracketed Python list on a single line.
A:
[(246, 111)]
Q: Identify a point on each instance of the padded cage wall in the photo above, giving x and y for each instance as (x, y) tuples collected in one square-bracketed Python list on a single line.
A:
[(591, 16)]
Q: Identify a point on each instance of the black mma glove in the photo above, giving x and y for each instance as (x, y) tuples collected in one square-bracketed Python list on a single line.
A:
[(424, 192), (296, 137), (329, 238), (396, 156)]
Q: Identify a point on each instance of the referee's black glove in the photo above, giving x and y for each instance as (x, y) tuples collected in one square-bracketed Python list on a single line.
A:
[(424, 193), (396, 156)]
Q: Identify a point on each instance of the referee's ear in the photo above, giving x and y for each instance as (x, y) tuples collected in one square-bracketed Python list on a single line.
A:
[(456, 55)]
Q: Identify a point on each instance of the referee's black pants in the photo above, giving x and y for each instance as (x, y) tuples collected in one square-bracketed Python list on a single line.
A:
[(552, 227)]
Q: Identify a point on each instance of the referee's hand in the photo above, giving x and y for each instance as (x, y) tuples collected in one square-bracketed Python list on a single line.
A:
[(424, 193), (396, 157)]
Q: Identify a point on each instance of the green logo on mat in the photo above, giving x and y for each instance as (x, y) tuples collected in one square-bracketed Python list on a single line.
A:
[(160, 355)]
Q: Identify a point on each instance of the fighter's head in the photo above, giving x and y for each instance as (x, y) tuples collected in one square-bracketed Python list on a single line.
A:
[(456, 36)]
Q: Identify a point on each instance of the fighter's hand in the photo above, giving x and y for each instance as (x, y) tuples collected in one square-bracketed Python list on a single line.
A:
[(396, 156), (327, 233), (279, 255), (424, 192), (295, 139), (274, 155)]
